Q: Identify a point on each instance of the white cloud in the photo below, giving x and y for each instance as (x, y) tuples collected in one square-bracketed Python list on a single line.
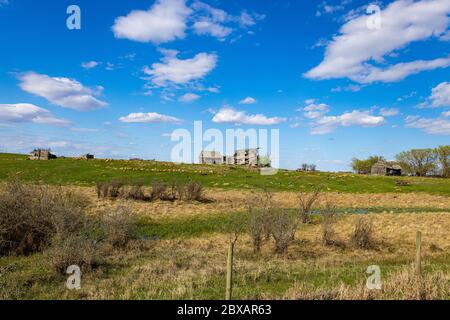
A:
[(327, 124), (248, 100), (87, 130), (446, 114), (90, 64), (386, 112), (436, 126), (247, 19), (326, 8), (163, 22), (215, 14), (407, 96), (213, 89), (25, 112), (216, 22), (351, 52), (205, 27), (209, 21), (315, 111), (440, 95), (189, 97), (109, 66), (230, 115), (168, 20), (178, 71), (150, 117), (349, 88), (64, 92)]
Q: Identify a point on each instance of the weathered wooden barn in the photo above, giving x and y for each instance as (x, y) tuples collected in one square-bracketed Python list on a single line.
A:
[(386, 168)]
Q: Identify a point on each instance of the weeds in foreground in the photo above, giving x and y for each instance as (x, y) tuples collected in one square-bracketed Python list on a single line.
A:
[(401, 285)]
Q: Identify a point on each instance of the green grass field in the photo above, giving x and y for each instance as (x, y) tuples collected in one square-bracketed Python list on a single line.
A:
[(87, 173)]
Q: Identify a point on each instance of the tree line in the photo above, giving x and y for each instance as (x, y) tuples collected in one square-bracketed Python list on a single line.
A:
[(417, 162)]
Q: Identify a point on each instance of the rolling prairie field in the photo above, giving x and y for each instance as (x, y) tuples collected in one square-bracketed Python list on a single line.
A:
[(178, 246)]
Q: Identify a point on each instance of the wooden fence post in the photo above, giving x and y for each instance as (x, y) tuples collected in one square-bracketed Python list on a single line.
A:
[(419, 253), (229, 289)]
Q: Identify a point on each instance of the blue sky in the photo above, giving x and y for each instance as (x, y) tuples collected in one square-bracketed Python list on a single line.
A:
[(336, 81)]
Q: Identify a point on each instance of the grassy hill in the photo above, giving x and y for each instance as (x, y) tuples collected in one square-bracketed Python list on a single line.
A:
[(86, 173)]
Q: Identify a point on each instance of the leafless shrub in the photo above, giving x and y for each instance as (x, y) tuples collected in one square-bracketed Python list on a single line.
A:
[(134, 192), (120, 226), (109, 189), (256, 229), (259, 208), (114, 188), (31, 216), (174, 191), (362, 236), (329, 217), (180, 191), (283, 229), (100, 188), (159, 191), (73, 250), (306, 202), (194, 191)]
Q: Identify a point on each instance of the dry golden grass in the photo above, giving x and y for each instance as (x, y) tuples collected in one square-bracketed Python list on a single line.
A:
[(401, 285), (226, 201)]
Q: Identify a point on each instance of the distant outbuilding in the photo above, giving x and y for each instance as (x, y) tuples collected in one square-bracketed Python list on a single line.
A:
[(386, 168), (87, 156)]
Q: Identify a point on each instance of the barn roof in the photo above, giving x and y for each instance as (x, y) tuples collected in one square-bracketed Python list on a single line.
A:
[(387, 164)]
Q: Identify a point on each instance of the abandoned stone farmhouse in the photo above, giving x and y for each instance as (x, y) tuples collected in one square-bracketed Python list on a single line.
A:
[(386, 168), (41, 154), (246, 157)]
